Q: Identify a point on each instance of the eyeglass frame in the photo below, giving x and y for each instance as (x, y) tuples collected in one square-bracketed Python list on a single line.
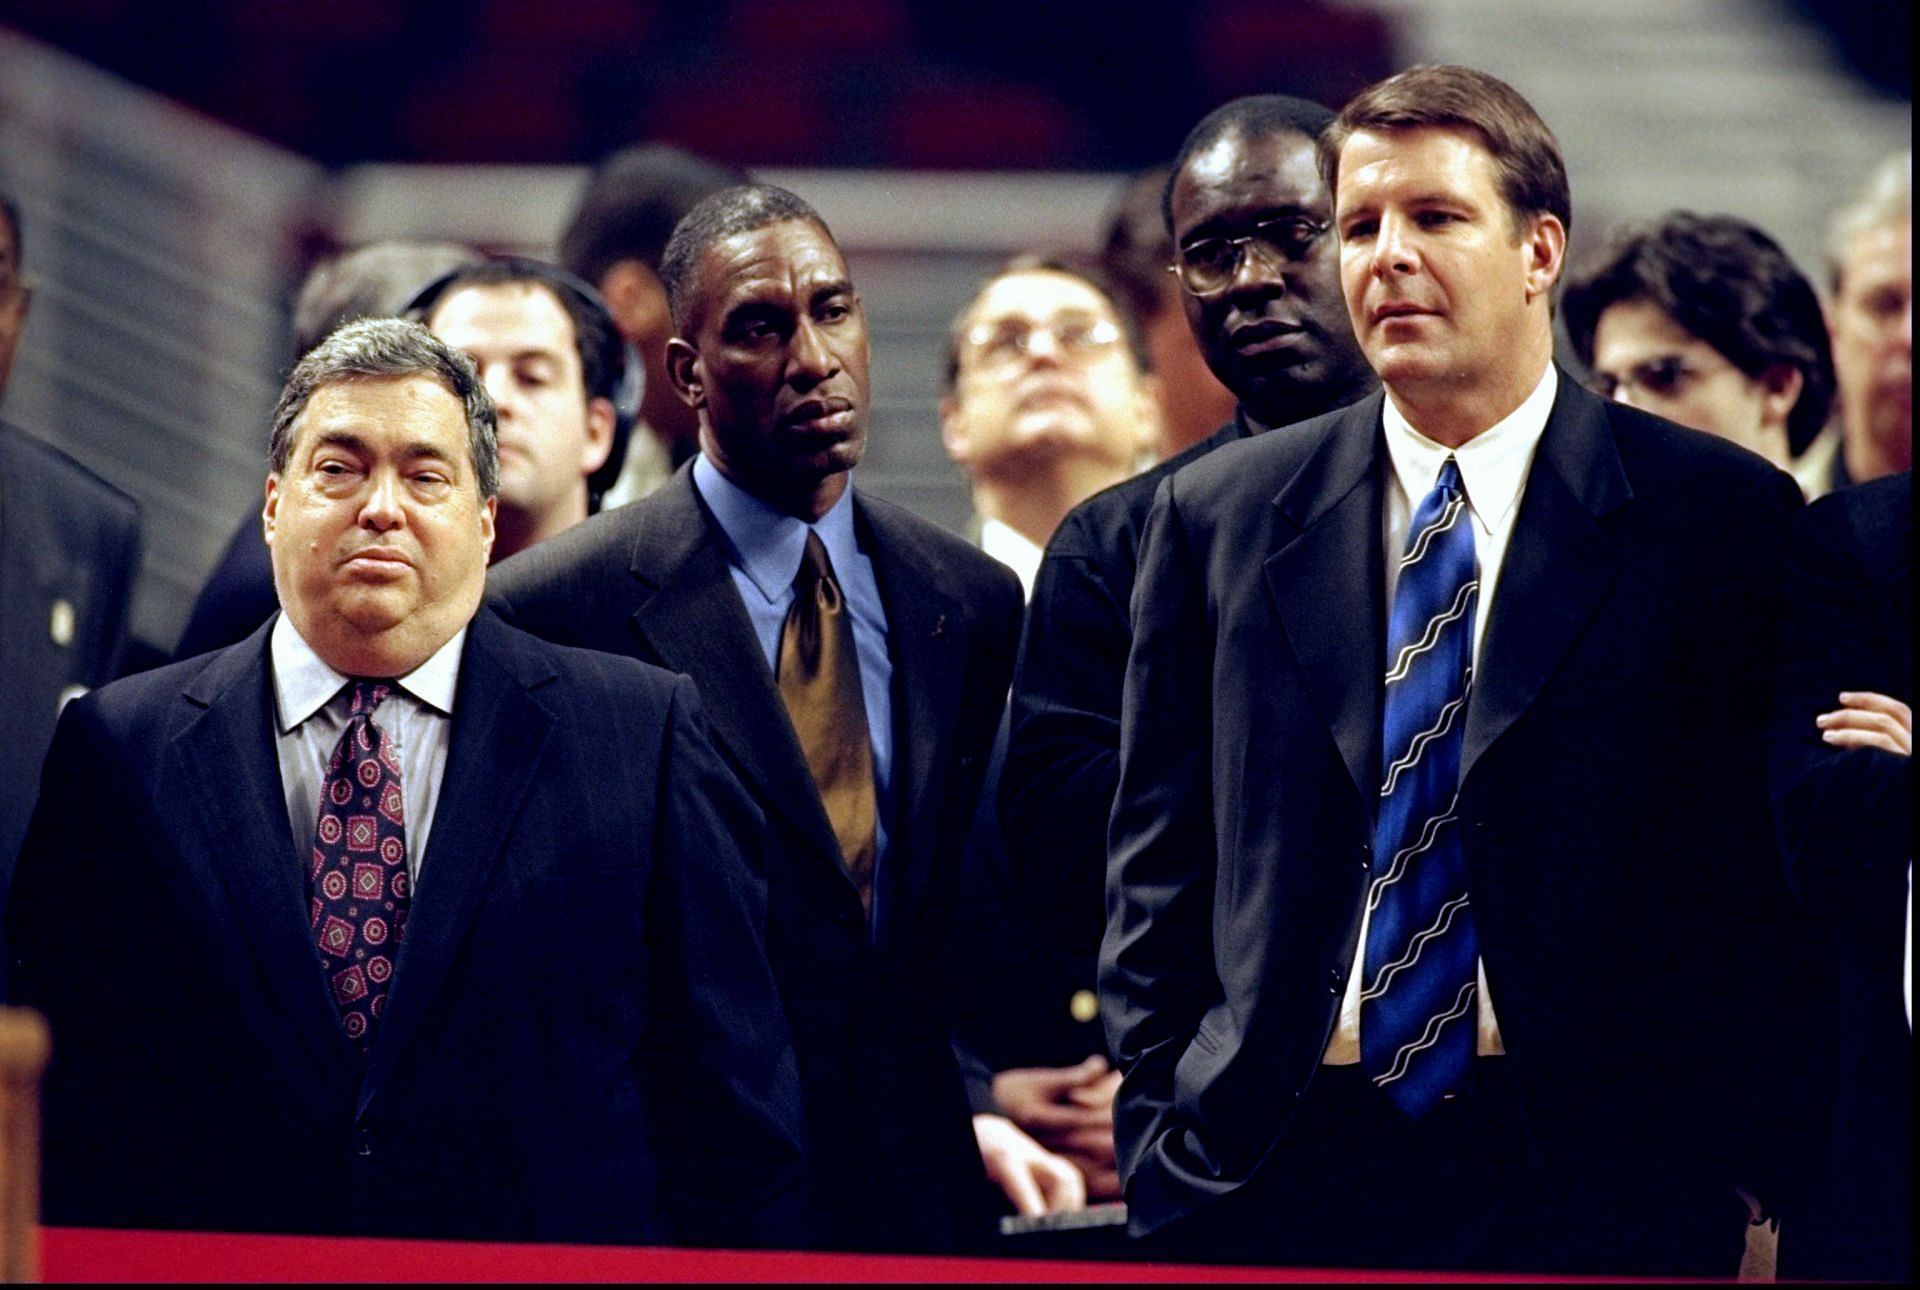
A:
[(1108, 332), (1318, 229)]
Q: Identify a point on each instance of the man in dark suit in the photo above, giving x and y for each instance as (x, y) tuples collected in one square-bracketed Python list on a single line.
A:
[(69, 552), (1249, 216), (1421, 953), (391, 919), (1842, 758), (855, 661)]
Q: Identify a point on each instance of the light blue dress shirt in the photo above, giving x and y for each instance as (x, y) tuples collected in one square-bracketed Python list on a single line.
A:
[(766, 546)]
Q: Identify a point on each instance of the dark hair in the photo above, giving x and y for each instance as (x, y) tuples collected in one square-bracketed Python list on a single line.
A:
[(1727, 283), (1526, 157), (1078, 270), (1253, 117), (372, 281), (373, 348), (1136, 250), (730, 212), (631, 202), (11, 214)]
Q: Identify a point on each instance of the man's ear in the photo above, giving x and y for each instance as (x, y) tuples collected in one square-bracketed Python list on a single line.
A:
[(489, 512), (1781, 384), (953, 432), (600, 419), (1546, 246), (683, 371), (270, 511)]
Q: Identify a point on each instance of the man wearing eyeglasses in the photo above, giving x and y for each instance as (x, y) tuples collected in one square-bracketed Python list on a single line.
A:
[(1248, 214), (1048, 401)]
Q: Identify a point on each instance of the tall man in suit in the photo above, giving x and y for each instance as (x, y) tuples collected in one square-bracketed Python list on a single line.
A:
[(393, 919), (1442, 801), (69, 553), (855, 659), (1250, 217)]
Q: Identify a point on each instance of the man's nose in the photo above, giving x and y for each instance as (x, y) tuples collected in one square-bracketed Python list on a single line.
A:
[(809, 360), (501, 388), (1393, 247), (381, 510)]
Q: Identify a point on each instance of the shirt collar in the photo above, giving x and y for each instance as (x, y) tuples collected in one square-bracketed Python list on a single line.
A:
[(1014, 549), (768, 543), (1493, 464), (303, 682)]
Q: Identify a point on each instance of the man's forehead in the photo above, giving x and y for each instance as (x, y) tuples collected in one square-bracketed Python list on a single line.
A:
[(1881, 249), (773, 259), (1039, 294), (382, 403), (1278, 169), (489, 310)]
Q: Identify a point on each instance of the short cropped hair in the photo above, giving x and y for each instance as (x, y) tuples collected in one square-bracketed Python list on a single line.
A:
[(1886, 199), (377, 348), (1526, 157), (744, 208), (372, 281), (1098, 281), (631, 202), (1254, 116), (1729, 284), (595, 337)]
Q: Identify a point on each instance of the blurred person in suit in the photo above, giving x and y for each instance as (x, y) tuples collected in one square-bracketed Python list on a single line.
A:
[(855, 661), (69, 554), (1442, 928), (1842, 764), (1250, 213), (1135, 253), (391, 919), (1704, 320), (376, 280), (1869, 304), (614, 239), (1048, 401)]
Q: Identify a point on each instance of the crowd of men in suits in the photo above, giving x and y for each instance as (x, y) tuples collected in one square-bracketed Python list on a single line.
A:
[(1443, 819)]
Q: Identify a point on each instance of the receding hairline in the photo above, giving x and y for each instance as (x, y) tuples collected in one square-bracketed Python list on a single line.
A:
[(697, 267), (295, 426)]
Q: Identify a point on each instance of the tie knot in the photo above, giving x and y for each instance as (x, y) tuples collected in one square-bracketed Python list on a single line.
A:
[(1449, 480), (368, 695), (815, 567)]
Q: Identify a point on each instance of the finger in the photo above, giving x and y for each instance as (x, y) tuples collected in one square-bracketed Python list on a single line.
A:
[(1875, 723), (1017, 1182), (1061, 1184), (1052, 1118), (1867, 739), (1871, 701), (1099, 1093)]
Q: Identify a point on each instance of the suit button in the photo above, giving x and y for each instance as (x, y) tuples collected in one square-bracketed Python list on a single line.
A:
[(1084, 1006), (362, 1143)]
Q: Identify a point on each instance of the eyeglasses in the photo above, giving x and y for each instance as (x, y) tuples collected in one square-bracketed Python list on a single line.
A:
[(1077, 338), (1209, 266), (1665, 377)]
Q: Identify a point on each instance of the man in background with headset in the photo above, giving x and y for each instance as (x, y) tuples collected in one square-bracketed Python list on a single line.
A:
[(558, 370)]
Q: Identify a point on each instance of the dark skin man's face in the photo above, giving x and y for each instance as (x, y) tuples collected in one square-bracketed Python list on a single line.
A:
[(774, 359), (1277, 334)]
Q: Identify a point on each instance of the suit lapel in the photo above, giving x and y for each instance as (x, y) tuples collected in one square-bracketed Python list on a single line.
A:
[(1558, 566), (1326, 575), (224, 762), (690, 619), (926, 641), (500, 732)]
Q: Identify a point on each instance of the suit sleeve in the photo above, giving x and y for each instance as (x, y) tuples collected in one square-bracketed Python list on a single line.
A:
[(1063, 754), (736, 1152), (1156, 963), (1842, 814)]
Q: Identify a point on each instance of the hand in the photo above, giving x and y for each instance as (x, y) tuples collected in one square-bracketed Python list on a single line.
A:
[(1867, 720), (1034, 1179), (1069, 1111)]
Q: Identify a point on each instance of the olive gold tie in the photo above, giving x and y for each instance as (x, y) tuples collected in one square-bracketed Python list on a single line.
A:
[(819, 681)]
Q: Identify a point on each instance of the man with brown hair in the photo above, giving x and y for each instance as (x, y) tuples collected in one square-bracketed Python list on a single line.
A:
[(1439, 858)]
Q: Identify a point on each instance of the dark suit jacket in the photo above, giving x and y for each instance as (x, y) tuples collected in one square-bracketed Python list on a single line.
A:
[(1845, 820), (892, 1153), (583, 972), (1612, 799), (238, 595), (67, 538)]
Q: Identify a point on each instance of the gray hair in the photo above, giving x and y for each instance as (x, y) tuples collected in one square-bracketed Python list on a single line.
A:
[(1886, 199), (374, 348)]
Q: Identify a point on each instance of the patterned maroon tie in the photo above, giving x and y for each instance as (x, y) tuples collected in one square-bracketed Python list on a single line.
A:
[(360, 885)]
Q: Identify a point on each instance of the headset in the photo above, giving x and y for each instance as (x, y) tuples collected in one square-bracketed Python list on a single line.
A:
[(623, 375)]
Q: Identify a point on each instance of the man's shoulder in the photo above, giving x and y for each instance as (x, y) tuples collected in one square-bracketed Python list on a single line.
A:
[(1253, 470), (1872, 521), (943, 559), (595, 546), (40, 474), (600, 677), (1664, 459)]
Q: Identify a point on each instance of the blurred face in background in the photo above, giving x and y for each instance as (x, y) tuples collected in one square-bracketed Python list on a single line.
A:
[(552, 436), (1645, 359), (1871, 321), (1046, 376)]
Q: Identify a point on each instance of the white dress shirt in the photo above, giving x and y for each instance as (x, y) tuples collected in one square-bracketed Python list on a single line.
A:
[(1493, 472), (1015, 550), (311, 705)]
